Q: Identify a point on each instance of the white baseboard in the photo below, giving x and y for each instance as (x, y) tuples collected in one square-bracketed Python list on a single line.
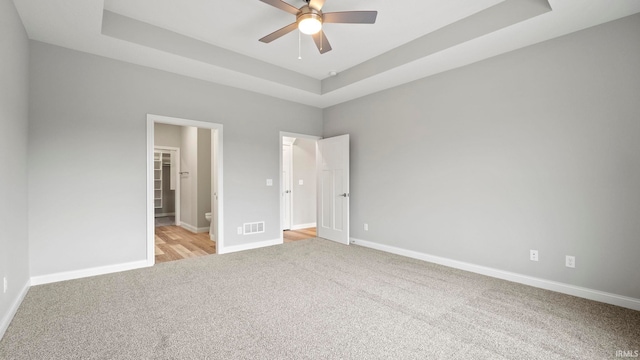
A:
[(164, 214), (249, 246), (609, 298), (6, 319), (77, 274), (194, 229), (189, 227), (303, 226)]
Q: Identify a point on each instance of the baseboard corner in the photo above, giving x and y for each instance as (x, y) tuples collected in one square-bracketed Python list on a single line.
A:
[(13, 309)]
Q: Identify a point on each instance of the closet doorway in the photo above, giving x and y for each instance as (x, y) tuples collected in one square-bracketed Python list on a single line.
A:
[(166, 185)]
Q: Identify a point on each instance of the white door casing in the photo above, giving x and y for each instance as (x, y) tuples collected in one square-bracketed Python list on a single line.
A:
[(213, 225), (333, 188), (286, 186)]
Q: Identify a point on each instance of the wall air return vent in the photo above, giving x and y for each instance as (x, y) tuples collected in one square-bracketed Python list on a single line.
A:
[(253, 228)]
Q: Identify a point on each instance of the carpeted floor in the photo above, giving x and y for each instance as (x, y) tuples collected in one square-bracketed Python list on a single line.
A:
[(311, 299)]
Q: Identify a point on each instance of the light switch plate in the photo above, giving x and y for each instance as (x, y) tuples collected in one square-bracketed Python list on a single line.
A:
[(269, 182), (300, 182)]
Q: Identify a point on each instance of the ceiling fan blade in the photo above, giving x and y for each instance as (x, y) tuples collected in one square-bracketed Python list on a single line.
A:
[(316, 4), (278, 33), (350, 17), (282, 6), (321, 42)]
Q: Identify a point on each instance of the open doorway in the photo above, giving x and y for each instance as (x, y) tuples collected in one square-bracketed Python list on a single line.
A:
[(297, 186), (166, 184), (184, 187)]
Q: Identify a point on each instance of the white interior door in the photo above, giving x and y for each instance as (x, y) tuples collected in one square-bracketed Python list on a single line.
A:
[(333, 188), (286, 186)]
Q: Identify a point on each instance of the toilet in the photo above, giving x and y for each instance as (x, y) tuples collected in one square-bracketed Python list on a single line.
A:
[(207, 216)]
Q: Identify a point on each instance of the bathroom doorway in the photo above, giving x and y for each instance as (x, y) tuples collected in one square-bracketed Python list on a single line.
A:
[(185, 189)]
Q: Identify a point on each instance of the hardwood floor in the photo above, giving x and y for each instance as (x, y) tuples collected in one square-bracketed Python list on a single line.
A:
[(176, 243), (295, 235)]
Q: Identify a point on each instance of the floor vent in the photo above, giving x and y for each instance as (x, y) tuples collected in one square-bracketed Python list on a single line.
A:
[(253, 228)]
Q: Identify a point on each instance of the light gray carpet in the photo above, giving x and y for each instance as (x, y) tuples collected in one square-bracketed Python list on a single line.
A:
[(311, 299)]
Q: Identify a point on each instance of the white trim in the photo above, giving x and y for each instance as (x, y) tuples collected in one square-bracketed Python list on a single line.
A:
[(194, 229), (78, 274), (188, 227), (164, 214), (6, 319), (250, 246), (591, 294), (289, 141), (151, 209), (303, 226), (218, 129)]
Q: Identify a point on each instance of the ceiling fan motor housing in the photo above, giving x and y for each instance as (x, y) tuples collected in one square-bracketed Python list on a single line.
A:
[(307, 12)]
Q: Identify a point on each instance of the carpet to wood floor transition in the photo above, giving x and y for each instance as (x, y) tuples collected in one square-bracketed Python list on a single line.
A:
[(311, 299)]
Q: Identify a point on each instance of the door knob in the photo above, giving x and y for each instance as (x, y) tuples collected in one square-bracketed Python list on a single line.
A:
[(344, 195)]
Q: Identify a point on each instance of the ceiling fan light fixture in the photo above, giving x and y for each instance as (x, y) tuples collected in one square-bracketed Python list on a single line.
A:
[(310, 20), (309, 24)]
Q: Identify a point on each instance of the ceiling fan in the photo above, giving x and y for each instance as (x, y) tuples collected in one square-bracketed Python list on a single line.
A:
[(309, 20)]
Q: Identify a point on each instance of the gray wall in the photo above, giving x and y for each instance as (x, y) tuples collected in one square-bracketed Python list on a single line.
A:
[(535, 149), (304, 168), (204, 177), (166, 135), (14, 249), (189, 176), (81, 105)]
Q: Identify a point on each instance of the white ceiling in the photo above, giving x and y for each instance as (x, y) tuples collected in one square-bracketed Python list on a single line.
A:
[(410, 40)]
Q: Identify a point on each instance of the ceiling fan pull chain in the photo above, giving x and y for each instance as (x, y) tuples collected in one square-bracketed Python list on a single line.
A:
[(321, 39), (299, 45)]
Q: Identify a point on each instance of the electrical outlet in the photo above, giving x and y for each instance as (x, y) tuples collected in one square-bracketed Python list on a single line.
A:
[(570, 261), (533, 255), (239, 230), (5, 285), (366, 227)]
